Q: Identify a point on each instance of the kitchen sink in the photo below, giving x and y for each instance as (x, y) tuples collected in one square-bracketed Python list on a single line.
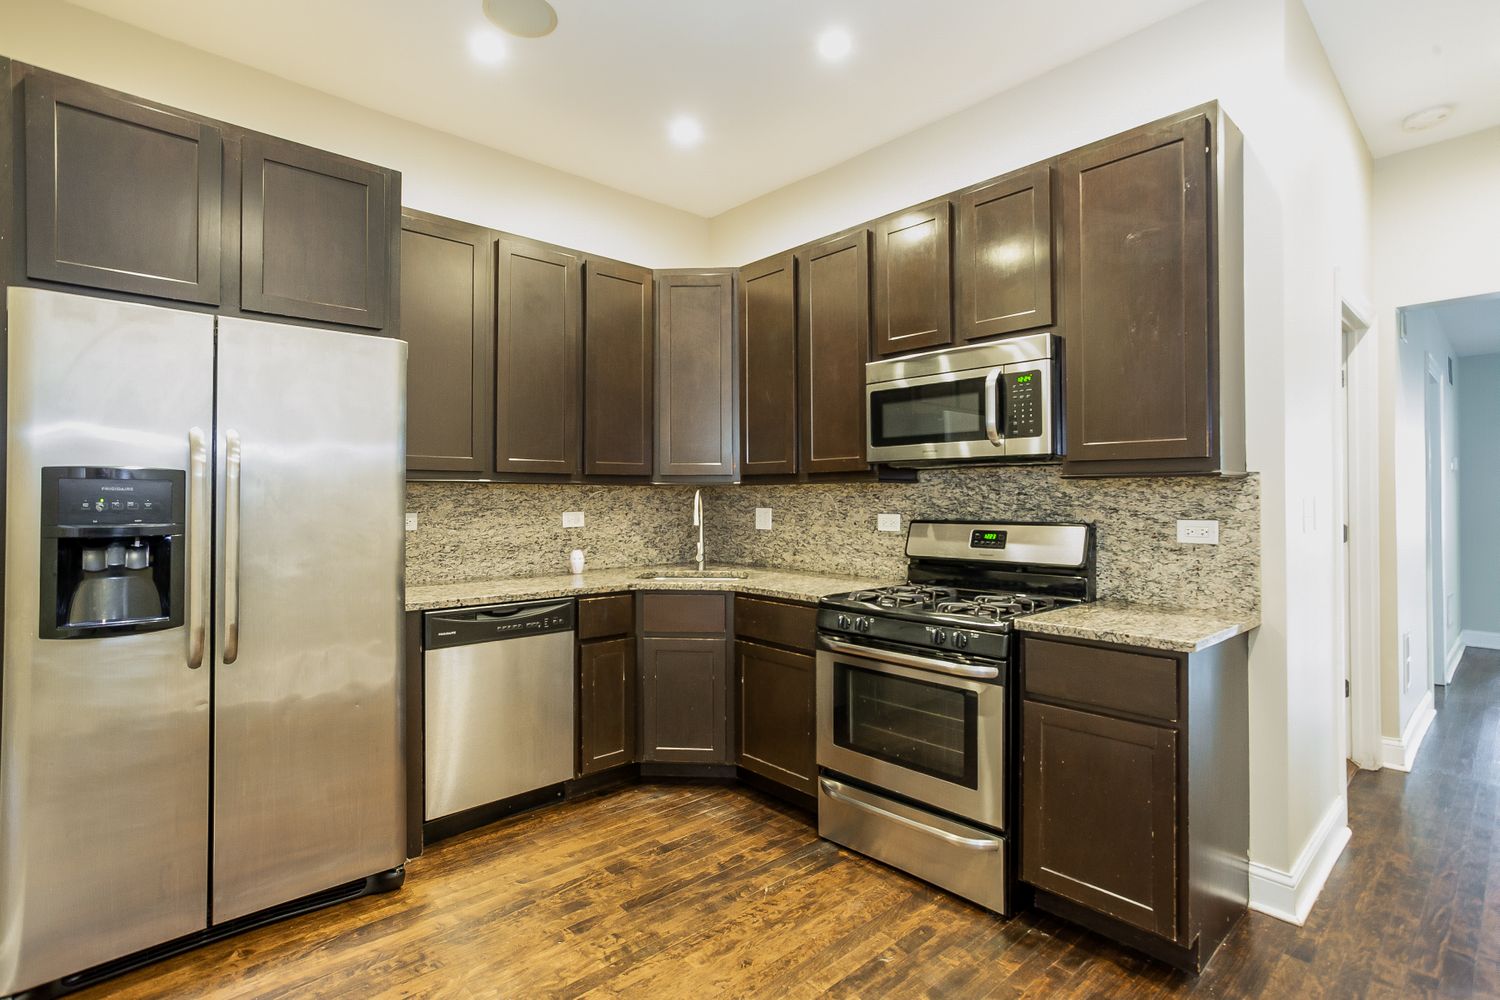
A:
[(706, 576)]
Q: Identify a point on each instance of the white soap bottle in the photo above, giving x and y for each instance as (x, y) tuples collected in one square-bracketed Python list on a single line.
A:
[(575, 561)]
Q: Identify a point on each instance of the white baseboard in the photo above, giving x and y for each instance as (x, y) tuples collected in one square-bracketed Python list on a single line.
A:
[(1401, 753), (1290, 895), (1484, 640), (1455, 659)]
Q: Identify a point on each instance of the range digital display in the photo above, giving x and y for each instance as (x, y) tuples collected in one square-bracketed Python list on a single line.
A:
[(987, 539)]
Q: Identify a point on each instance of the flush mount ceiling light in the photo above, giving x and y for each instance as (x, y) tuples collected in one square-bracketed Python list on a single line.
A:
[(834, 45), (487, 46), (685, 131), (1427, 117), (522, 18)]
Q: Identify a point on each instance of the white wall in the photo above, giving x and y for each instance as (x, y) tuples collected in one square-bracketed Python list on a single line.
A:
[(1436, 213), (1307, 230), (1479, 485), (440, 173)]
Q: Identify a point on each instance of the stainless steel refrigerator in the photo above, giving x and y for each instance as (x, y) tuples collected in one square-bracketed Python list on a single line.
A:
[(201, 708)]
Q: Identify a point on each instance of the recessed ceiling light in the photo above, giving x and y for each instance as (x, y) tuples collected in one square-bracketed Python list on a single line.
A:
[(524, 18), (487, 46), (685, 131), (834, 45), (1427, 117)]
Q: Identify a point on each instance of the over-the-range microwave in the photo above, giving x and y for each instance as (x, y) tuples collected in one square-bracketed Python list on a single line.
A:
[(996, 401)]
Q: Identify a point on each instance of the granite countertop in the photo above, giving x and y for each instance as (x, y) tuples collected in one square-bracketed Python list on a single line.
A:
[(1149, 626), (787, 584)]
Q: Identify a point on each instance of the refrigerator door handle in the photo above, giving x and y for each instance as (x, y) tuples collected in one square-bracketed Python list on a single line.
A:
[(232, 452), (199, 531)]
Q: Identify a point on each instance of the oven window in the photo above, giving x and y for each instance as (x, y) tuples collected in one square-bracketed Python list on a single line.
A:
[(921, 726), (928, 414)]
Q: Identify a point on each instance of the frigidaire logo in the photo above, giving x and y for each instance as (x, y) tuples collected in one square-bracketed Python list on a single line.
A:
[(117, 489)]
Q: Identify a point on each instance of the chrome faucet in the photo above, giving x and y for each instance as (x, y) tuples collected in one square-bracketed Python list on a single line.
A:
[(698, 523)]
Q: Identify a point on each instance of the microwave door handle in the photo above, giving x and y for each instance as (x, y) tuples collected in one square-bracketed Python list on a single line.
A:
[(992, 407)]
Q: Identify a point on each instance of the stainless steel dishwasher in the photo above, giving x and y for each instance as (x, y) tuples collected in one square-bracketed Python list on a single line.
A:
[(499, 695)]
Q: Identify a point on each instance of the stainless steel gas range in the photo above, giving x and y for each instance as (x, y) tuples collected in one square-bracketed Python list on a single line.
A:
[(916, 723)]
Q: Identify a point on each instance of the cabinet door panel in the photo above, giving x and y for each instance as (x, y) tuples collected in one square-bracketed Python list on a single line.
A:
[(1099, 807), (121, 194), (695, 376), (448, 326), (1004, 255), (913, 279), (619, 373), (1135, 296), (314, 233), (683, 712), (776, 737), (768, 367), (833, 327), (536, 359), (606, 711)]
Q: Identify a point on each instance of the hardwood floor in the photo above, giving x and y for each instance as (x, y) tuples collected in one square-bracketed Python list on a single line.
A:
[(686, 891)]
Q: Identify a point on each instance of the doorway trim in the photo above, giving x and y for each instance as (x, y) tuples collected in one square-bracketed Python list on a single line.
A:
[(1360, 557)]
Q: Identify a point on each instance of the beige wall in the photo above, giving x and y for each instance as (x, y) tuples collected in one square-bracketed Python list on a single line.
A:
[(440, 173)]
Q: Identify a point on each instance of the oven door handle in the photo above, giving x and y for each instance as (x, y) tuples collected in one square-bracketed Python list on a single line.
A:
[(908, 660), (992, 407), (835, 790)]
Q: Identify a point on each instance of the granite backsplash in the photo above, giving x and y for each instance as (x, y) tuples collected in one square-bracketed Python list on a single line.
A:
[(832, 527), (490, 531)]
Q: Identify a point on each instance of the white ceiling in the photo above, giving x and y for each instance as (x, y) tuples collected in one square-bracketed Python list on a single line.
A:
[(1394, 57), (594, 98), (1472, 325)]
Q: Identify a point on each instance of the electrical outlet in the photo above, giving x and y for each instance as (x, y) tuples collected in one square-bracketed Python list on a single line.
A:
[(572, 519), (887, 522), (762, 519), (411, 522), (1198, 532)]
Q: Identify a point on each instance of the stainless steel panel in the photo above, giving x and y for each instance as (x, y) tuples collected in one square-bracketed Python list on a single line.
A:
[(966, 861), (984, 804), (949, 361), (103, 742), (308, 772), (1045, 443), (499, 719), (1059, 545)]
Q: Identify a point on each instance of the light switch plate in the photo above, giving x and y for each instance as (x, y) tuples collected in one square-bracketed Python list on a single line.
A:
[(887, 522), (411, 522), (762, 519), (1198, 532), (572, 519)]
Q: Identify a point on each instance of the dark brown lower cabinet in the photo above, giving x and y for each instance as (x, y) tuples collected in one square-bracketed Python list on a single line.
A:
[(776, 694), (684, 716), (606, 704), (1101, 813), (1135, 800)]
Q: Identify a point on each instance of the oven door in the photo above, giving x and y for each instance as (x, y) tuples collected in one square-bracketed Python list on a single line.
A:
[(928, 729), (952, 415)]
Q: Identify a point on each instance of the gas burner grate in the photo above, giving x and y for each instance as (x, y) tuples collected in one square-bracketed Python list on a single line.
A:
[(905, 596)]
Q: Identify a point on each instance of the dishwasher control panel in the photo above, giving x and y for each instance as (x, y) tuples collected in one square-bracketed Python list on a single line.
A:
[(464, 626)]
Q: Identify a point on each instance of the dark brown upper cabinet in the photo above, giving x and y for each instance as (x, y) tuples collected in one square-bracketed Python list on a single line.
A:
[(695, 376), (913, 284), (618, 369), (447, 303), (537, 304), (1003, 271), (833, 326), (316, 232), (768, 367), (121, 194), (1154, 342)]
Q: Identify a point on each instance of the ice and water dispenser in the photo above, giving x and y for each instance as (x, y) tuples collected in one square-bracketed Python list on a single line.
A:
[(113, 551)]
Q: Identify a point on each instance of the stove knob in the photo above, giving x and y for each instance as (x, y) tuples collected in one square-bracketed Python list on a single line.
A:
[(842, 621), (938, 636), (960, 640), (865, 623)]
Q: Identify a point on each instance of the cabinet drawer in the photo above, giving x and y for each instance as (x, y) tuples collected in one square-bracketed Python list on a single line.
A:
[(602, 617), (684, 614), (1109, 679), (790, 625)]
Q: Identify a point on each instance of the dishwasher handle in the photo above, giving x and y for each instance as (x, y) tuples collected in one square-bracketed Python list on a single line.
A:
[(491, 623)]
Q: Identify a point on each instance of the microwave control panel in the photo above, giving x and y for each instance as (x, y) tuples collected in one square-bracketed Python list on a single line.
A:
[(1024, 412)]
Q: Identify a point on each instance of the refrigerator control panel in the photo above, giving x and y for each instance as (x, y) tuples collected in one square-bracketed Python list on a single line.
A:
[(86, 501)]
